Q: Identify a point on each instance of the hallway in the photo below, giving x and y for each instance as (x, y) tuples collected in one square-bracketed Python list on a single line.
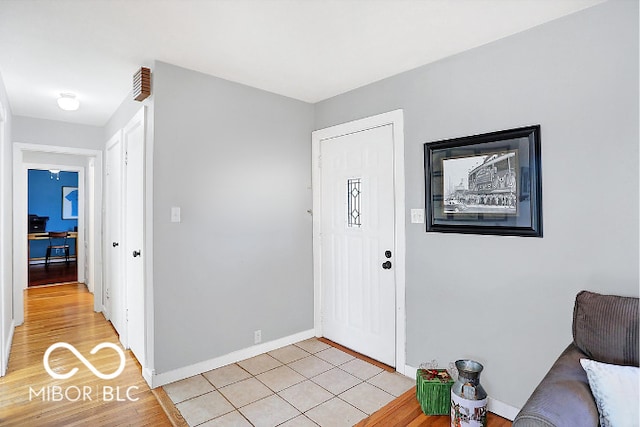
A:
[(31, 396)]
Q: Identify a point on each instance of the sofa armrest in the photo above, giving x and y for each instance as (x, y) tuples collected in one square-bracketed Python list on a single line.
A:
[(563, 397)]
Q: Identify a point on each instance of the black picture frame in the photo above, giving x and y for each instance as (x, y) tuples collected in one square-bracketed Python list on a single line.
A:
[(485, 184)]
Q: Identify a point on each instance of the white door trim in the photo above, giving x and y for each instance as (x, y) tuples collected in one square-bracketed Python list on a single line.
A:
[(396, 120), (20, 267), (6, 305), (82, 212)]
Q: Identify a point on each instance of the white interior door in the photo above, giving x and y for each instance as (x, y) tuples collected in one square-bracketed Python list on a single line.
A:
[(115, 302), (134, 135), (357, 242)]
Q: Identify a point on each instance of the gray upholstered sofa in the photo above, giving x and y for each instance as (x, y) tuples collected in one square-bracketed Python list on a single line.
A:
[(605, 328)]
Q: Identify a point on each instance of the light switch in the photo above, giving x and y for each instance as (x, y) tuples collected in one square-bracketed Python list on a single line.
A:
[(417, 216), (175, 214)]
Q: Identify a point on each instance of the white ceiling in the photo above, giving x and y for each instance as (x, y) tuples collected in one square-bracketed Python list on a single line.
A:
[(305, 49)]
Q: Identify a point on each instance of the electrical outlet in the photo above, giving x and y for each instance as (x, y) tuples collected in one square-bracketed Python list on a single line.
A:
[(257, 337)]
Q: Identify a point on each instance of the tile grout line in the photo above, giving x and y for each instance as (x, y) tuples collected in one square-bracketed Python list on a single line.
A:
[(333, 365), (235, 409), (274, 393)]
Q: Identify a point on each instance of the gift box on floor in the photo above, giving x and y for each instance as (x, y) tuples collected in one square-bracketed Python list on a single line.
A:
[(433, 391)]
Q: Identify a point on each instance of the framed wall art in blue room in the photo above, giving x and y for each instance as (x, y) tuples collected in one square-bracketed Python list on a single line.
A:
[(70, 202)]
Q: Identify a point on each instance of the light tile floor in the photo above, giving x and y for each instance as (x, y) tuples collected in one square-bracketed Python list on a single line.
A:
[(306, 384)]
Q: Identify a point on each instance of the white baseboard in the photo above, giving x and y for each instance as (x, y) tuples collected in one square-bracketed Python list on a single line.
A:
[(500, 408), (497, 407), (409, 371), (156, 380), (148, 375), (104, 313), (7, 350)]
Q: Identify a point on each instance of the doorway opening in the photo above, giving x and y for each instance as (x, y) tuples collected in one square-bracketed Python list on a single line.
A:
[(52, 226), (87, 164)]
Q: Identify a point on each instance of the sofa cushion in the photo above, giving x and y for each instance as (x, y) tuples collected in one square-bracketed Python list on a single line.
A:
[(605, 328)]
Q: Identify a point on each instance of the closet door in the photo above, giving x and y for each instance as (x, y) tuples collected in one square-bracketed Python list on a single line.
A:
[(114, 291), (135, 252)]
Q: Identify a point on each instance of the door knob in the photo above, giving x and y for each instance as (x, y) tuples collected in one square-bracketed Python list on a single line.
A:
[(386, 265), (115, 244), (136, 253)]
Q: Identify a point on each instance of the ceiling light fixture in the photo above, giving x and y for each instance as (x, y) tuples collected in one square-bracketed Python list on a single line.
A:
[(68, 102)]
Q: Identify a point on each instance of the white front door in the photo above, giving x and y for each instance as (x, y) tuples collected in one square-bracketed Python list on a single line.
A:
[(115, 302), (358, 288), (133, 136)]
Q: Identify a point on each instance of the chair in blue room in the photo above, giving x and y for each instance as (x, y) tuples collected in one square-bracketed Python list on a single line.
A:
[(57, 240)]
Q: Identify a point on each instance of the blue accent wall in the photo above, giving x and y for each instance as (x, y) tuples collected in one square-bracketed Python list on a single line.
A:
[(45, 199)]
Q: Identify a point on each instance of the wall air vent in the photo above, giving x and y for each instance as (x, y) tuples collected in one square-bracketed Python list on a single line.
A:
[(142, 84)]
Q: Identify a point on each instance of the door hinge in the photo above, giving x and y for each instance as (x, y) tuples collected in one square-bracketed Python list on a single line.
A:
[(126, 315), (126, 157)]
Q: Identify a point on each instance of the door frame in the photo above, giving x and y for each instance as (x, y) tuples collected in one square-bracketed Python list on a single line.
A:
[(93, 214), (82, 212), (396, 120), (6, 266)]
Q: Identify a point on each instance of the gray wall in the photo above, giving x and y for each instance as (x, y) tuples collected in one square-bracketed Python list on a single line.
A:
[(508, 301), (29, 130), (237, 161), (125, 112)]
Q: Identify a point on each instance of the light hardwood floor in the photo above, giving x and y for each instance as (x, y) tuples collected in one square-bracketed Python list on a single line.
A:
[(405, 412), (65, 313)]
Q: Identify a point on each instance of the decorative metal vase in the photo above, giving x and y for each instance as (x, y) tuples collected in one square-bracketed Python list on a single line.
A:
[(468, 398)]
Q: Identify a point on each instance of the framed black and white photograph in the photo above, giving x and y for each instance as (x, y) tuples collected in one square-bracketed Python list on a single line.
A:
[(485, 184)]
